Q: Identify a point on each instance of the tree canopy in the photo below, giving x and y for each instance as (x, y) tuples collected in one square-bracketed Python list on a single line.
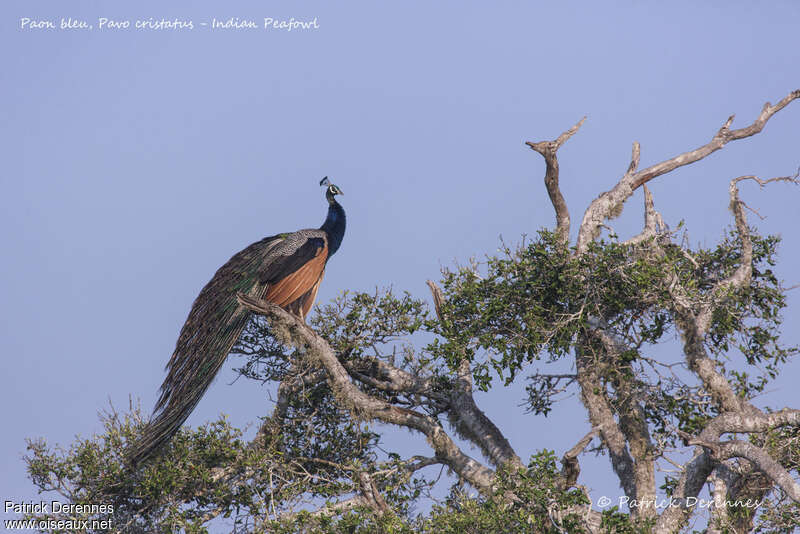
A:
[(371, 361)]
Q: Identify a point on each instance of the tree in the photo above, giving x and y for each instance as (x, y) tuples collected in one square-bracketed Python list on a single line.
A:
[(316, 464)]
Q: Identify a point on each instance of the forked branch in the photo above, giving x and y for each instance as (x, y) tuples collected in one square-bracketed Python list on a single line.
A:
[(610, 203), (653, 223), (292, 331), (548, 150)]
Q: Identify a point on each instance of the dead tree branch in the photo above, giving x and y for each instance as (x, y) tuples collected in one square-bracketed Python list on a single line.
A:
[(610, 203), (601, 415), (653, 223), (570, 467), (548, 150)]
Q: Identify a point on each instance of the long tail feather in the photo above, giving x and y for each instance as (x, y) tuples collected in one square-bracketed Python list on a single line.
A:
[(213, 326), (178, 400)]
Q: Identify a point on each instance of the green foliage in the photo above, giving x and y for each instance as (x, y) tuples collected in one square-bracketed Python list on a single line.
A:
[(177, 491), (775, 517), (526, 307), (540, 504), (203, 474), (618, 522), (537, 299)]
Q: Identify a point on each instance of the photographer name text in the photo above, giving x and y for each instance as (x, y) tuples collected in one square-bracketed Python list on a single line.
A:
[(56, 507), (672, 502)]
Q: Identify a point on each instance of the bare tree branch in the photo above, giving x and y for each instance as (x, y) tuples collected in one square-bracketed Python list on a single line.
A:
[(698, 470), (704, 367), (748, 423), (292, 331), (382, 375), (548, 150), (438, 298), (721, 138), (719, 494), (570, 467), (330, 509), (691, 481), (610, 203), (371, 494), (633, 424), (639, 464), (694, 320), (757, 455), (465, 416), (738, 415), (653, 223), (743, 274), (601, 416)]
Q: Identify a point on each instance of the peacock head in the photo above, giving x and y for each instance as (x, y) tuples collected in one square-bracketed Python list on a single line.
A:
[(331, 191)]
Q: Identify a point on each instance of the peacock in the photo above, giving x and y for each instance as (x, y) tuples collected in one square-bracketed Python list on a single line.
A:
[(284, 269)]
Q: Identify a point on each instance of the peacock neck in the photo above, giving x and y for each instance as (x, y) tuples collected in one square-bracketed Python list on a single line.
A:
[(334, 226)]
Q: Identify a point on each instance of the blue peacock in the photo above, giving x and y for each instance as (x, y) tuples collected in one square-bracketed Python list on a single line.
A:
[(284, 269)]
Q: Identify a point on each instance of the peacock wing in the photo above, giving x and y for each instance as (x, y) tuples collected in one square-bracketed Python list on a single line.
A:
[(290, 280)]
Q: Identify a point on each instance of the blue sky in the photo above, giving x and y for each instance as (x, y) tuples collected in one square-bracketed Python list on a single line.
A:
[(137, 162)]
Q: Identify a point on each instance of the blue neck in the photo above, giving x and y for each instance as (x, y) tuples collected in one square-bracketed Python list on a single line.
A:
[(334, 226)]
